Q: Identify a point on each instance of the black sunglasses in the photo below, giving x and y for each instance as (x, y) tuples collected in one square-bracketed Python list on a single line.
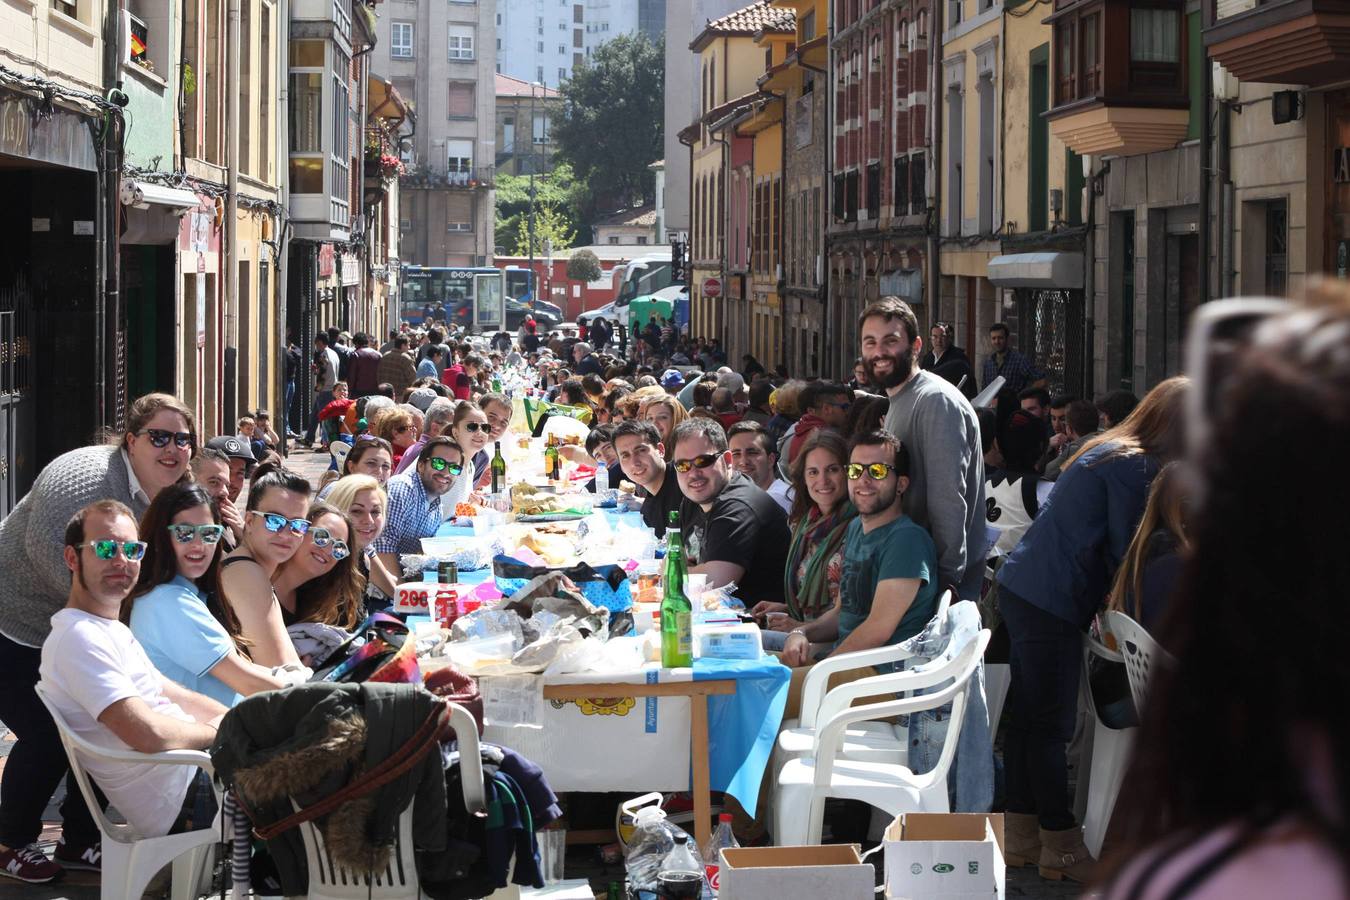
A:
[(477, 426), (702, 461), (159, 438)]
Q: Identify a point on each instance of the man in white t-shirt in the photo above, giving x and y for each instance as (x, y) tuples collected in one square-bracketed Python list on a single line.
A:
[(101, 680), (754, 455)]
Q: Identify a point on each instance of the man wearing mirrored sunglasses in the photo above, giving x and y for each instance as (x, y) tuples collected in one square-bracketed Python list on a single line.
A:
[(888, 589), (734, 532), (414, 509), (100, 678)]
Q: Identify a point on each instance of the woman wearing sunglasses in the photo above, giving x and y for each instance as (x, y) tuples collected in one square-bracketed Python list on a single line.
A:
[(471, 430), (175, 613), (396, 426), (275, 525), (320, 583), (820, 516), (362, 499)]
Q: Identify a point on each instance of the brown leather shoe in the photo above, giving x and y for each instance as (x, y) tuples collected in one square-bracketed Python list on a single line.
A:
[(1063, 855), (1021, 840)]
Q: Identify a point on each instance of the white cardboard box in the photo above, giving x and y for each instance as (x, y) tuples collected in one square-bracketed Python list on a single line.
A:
[(778, 873), (952, 856)]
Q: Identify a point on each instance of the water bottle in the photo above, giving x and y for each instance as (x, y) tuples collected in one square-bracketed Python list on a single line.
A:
[(601, 477)]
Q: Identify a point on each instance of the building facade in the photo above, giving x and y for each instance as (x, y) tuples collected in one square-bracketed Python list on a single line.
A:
[(546, 42), (524, 126), (440, 60)]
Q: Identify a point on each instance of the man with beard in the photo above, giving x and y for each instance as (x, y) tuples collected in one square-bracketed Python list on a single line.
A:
[(414, 509), (888, 590), (733, 531), (101, 680), (938, 427), (213, 469)]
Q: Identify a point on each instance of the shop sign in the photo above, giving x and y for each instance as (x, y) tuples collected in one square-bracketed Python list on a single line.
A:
[(61, 138), (325, 260), (712, 287)]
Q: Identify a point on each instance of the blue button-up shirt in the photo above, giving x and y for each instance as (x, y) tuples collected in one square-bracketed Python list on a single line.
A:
[(1017, 370), (411, 515)]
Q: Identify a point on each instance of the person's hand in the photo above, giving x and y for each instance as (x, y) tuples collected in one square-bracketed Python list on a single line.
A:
[(796, 651), (761, 609), (231, 519), (1058, 441), (779, 621)]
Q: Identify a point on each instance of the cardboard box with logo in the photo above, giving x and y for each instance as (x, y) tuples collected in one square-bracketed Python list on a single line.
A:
[(778, 873), (954, 856)]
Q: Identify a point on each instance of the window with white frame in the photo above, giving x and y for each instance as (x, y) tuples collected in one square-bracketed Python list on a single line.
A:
[(540, 128), (401, 40), (459, 159), (306, 116), (460, 44)]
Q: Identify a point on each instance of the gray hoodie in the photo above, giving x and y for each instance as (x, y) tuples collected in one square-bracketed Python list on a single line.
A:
[(946, 478)]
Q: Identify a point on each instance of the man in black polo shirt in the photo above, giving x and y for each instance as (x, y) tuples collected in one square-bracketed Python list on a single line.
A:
[(642, 457), (734, 532)]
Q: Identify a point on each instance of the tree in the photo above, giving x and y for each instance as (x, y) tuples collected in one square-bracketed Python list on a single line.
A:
[(583, 266), (610, 126), (557, 190), (550, 223)]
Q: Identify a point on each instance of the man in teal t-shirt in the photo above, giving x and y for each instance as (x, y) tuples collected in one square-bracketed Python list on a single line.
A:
[(888, 589)]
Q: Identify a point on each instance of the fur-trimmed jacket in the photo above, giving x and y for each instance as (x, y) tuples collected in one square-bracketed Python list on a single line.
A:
[(309, 741)]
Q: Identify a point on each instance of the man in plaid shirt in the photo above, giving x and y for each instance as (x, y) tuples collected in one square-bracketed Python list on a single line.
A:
[(414, 508), (1018, 370)]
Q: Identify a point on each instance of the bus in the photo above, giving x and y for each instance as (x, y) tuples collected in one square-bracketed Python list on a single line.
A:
[(465, 297)]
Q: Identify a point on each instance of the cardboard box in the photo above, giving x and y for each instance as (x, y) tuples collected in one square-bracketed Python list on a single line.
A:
[(779, 873), (953, 856)]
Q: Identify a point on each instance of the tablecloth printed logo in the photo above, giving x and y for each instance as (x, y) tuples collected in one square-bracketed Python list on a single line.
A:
[(600, 706)]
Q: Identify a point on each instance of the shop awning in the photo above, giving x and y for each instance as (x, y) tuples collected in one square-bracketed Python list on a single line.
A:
[(141, 194), (1037, 270)]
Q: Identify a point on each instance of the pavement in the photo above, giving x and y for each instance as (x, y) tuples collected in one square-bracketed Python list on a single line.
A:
[(1023, 884)]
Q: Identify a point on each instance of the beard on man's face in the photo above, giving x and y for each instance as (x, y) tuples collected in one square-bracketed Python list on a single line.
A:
[(901, 365)]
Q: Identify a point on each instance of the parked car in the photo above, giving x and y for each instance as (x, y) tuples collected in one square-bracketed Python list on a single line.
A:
[(546, 315)]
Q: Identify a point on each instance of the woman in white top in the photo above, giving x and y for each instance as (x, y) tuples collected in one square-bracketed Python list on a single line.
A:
[(472, 431)]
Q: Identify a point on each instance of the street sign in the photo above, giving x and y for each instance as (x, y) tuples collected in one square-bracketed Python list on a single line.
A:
[(712, 287)]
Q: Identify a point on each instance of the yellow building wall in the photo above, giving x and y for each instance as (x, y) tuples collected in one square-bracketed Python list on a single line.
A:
[(1022, 35), (970, 149)]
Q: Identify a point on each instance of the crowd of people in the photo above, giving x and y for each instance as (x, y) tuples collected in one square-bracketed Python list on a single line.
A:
[(150, 592)]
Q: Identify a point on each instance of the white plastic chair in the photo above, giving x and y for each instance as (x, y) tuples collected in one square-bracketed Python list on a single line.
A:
[(1141, 653), (804, 783), (873, 741), (1109, 750), (398, 881), (130, 861)]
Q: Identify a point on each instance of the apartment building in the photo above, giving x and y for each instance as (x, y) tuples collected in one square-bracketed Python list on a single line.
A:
[(877, 239), (545, 41), (525, 113), (440, 59)]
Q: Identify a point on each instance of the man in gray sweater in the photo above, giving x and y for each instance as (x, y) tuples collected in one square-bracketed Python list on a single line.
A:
[(938, 425)]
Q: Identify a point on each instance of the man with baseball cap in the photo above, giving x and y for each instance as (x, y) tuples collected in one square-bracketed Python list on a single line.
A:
[(672, 381), (241, 460)]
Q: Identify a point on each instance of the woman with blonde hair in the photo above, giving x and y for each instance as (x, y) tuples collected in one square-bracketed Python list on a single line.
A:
[(1152, 564), (363, 500), (395, 425), (1048, 592), (666, 413)]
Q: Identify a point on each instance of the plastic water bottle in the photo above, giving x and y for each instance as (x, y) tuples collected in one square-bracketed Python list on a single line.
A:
[(722, 838), (601, 477)]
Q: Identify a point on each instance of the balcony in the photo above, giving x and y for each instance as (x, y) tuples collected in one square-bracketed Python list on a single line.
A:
[(1121, 97), (1281, 42), (482, 178)]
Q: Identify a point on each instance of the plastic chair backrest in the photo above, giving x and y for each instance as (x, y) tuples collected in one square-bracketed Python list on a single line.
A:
[(1094, 647), (330, 881), (75, 745), (1141, 654)]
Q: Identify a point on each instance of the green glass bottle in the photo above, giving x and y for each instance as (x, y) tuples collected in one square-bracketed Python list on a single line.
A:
[(552, 463), (498, 469), (677, 629)]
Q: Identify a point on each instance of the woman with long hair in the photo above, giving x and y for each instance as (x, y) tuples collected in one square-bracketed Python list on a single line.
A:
[(275, 525), (1152, 564), (1051, 586), (319, 583), (821, 513), (666, 413), (175, 612), (362, 499), (1239, 784), (471, 430)]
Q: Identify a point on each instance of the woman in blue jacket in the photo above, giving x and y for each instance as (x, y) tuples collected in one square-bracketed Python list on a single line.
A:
[(1049, 589)]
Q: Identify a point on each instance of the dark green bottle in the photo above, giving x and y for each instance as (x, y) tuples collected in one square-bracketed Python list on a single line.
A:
[(498, 469), (677, 635)]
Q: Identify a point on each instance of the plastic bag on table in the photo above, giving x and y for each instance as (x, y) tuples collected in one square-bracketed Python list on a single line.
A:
[(549, 592), (603, 586), (488, 623)]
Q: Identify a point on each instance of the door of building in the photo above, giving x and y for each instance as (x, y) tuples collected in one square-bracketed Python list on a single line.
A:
[(1050, 331)]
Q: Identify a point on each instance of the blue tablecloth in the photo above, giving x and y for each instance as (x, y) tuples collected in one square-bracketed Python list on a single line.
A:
[(743, 726)]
